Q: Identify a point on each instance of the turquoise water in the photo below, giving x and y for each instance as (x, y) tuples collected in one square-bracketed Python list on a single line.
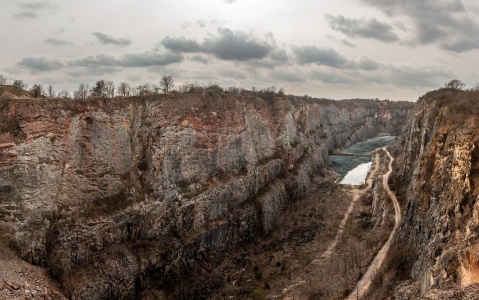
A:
[(353, 169)]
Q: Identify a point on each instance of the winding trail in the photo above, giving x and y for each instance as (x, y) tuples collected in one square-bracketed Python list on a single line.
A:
[(365, 281), (357, 192)]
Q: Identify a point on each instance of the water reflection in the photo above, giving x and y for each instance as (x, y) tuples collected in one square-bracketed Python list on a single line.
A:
[(357, 175), (356, 167)]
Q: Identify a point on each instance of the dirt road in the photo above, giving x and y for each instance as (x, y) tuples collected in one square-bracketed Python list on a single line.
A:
[(365, 281), (355, 194)]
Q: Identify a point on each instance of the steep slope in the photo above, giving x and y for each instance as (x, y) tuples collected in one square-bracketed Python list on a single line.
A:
[(13, 92), (120, 196), (437, 177)]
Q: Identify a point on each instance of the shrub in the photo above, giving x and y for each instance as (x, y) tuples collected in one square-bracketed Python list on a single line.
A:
[(400, 260), (317, 295), (258, 294)]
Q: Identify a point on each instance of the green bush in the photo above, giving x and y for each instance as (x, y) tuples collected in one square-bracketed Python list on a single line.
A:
[(258, 294)]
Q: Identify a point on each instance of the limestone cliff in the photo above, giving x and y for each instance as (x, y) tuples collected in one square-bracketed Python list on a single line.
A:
[(119, 196), (437, 176)]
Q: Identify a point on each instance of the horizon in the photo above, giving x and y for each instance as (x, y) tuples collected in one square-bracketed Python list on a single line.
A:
[(343, 50)]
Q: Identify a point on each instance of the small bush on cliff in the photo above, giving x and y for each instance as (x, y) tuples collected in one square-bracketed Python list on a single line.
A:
[(12, 126), (258, 294), (4, 104), (455, 84)]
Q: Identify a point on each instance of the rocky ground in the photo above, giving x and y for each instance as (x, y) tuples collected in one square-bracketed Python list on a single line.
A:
[(311, 255), (21, 280), (319, 251)]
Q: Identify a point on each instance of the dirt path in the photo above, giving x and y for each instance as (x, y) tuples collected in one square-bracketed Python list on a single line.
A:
[(363, 284), (356, 192)]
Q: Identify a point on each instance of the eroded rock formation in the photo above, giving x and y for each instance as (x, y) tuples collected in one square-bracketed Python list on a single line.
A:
[(437, 176), (121, 196)]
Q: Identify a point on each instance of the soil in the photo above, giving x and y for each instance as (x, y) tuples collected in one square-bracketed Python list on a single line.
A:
[(376, 265), (319, 250), (21, 280)]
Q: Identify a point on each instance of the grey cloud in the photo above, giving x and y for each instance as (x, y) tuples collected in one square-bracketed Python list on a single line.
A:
[(367, 63), (199, 58), (131, 60), (37, 5), (181, 45), (421, 77), (94, 61), (107, 39), (30, 9), (330, 57), (372, 28), (26, 15), (445, 22), (280, 55), (202, 23), (58, 42), (41, 63), (320, 56), (226, 45), (410, 76), (100, 62), (240, 46), (229, 1), (461, 44), (149, 58), (348, 43)]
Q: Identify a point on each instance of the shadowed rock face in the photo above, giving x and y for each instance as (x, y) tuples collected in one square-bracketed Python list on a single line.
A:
[(123, 195), (437, 175)]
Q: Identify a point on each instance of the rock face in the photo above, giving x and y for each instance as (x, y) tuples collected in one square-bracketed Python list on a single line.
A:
[(121, 196), (438, 174)]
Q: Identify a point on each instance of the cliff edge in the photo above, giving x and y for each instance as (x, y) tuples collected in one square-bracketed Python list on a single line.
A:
[(437, 179), (120, 196)]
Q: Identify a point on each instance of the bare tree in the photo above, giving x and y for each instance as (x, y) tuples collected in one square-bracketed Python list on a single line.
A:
[(99, 89), (145, 89), (185, 88), (110, 89), (19, 84), (64, 94), (124, 89), (82, 92), (155, 89), (37, 91), (455, 84), (3, 80), (51, 91), (167, 83)]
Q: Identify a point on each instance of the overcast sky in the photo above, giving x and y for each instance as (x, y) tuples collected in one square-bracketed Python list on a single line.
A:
[(336, 49)]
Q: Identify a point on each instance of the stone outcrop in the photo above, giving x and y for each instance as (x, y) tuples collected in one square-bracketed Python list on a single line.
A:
[(437, 177), (121, 196)]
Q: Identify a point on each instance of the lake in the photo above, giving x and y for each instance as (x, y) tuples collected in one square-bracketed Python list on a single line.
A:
[(353, 169)]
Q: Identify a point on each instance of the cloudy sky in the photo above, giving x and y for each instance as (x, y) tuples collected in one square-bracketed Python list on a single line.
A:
[(336, 49)]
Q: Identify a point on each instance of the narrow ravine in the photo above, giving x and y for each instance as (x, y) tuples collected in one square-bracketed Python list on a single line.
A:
[(356, 192), (365, 281)]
